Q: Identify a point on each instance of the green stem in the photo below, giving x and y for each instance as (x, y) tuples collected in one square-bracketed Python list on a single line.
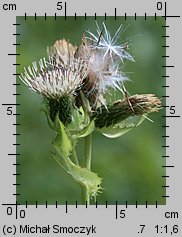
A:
[(88, 157), (85, 195), (88, 151), (74, 155)]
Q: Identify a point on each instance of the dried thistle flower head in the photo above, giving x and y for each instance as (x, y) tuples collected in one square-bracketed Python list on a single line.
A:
[(121, 110), (63, 51)]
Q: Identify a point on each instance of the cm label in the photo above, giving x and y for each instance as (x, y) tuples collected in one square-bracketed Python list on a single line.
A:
[(9, 7)]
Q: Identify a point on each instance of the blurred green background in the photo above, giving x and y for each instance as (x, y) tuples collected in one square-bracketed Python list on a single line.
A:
[(131, 166)]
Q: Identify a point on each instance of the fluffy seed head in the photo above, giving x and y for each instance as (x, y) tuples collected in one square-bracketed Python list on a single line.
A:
[(109, 45), (104, 56)]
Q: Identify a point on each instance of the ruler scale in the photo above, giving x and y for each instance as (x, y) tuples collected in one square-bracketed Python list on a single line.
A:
[(51, 217)]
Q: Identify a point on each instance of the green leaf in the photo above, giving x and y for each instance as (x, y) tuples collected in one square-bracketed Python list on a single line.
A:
[(85, 103), (120, 129), (77, 120), (82, 176), (85, 177), (59, 159), (81, 125), (62, 142), (87, 130)]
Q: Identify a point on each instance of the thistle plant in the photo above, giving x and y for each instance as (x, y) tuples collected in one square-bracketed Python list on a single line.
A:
[(75, 84)]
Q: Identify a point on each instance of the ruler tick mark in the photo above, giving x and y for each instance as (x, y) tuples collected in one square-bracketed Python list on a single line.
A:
[(165, 10), (116, 210), (168, 166), (171, 116), (10, 104), (16, 74), (172, 16), (65, 11), (13, 154), (66, 207), (14, 54), (125, 16)]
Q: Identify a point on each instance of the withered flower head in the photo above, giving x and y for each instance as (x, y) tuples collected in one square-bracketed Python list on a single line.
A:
[(62, 51), (122, 109)]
